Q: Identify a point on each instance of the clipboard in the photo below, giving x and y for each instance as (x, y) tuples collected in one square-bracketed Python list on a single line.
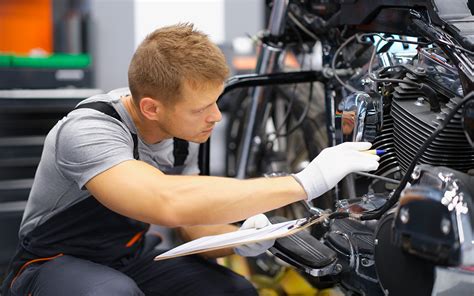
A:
[(240, 237)]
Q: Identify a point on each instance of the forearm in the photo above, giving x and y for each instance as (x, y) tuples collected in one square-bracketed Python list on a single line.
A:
[(198, 200), (190, 233), (140, 191)]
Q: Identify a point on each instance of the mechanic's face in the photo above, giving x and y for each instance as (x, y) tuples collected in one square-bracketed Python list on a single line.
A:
[(194, 116)]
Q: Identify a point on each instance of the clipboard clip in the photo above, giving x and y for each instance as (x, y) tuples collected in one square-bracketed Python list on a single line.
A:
[(305, 221)]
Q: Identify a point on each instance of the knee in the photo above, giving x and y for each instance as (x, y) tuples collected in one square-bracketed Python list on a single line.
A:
[(241, 286), (120, 286), (232, 284)]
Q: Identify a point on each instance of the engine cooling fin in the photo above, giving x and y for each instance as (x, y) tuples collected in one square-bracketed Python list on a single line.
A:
[(414, 123), (385, 141)]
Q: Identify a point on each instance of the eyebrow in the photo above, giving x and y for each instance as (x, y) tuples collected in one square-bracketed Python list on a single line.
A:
[(208, 105), (205, 107)]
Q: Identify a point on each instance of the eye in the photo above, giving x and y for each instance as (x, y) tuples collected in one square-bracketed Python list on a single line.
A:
[(200, 110)]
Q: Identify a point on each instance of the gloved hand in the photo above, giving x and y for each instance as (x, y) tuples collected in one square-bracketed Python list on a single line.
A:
[(254, 249), (333, 164)]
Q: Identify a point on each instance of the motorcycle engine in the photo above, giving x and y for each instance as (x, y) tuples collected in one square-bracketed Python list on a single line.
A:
[(412, 114), (404, 117)]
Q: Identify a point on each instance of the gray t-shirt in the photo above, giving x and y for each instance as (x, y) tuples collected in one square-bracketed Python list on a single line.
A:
[(84, 144)]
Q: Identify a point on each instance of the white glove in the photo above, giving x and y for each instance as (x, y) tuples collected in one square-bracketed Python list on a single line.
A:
[(254, 249), (333, 164)]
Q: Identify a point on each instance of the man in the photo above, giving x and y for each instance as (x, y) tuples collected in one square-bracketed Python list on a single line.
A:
[(107, 173)]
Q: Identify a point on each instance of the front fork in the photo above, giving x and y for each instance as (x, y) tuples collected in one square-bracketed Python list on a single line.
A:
[(267, 63)]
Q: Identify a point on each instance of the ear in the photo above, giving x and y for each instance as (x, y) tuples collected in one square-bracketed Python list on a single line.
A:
[(150, 108)]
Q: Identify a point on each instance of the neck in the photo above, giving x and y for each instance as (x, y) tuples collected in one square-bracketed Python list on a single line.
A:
[(148, 130)]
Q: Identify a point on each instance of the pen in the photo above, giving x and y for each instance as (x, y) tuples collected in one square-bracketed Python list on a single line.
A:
[(375, 151)]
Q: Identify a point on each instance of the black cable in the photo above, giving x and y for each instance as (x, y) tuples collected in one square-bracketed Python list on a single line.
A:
[(287, 114), (333, 64), (363, 35), (422, 87), (300, 120), (302, 62), (376, 214), (457, 47), (433, 31), (292, 98), (301, 44), (302, 27), (359, 38), (391, 80), (304, 114)]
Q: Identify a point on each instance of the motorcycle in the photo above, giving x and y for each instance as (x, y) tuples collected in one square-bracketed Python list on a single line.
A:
[(399, 74)]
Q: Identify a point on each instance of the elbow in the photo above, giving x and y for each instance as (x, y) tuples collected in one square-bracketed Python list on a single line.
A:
[(169, 219), (167, 213)]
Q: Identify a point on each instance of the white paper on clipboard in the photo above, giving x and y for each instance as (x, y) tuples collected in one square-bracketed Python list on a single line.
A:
[(232, 239)]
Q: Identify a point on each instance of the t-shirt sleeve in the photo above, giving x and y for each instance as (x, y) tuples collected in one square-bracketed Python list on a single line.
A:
[(89, 144)]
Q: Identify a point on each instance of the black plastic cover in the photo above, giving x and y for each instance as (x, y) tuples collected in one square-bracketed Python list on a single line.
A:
[(303, 248)]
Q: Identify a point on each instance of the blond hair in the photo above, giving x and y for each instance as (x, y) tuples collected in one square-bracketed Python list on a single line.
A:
[(170, 56)]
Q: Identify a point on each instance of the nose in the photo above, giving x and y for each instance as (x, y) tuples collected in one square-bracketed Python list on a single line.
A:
[(215, 115)]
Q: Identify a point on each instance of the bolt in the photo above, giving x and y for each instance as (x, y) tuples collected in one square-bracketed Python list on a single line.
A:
[(257, 140), (420, 70), (365, 81), (326, 49), (416, 173), (365, 262), (420, 101), (404, 215), (445, 226)]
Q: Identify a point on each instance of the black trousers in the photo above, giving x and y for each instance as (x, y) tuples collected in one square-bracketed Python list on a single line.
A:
[(189, 275)]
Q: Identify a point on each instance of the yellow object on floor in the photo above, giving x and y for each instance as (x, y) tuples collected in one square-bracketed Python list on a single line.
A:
[(287, 282), (267, 292), (236, 263), (294, 284)]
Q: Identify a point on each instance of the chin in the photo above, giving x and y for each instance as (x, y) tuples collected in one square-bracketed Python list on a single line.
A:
[(201, 139)]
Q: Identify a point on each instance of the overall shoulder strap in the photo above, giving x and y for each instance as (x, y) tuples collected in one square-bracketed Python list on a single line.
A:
[(109, 110), (180, 151)]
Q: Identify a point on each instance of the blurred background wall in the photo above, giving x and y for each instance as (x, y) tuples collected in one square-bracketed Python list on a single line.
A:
[(95, 39), (118, 27)]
